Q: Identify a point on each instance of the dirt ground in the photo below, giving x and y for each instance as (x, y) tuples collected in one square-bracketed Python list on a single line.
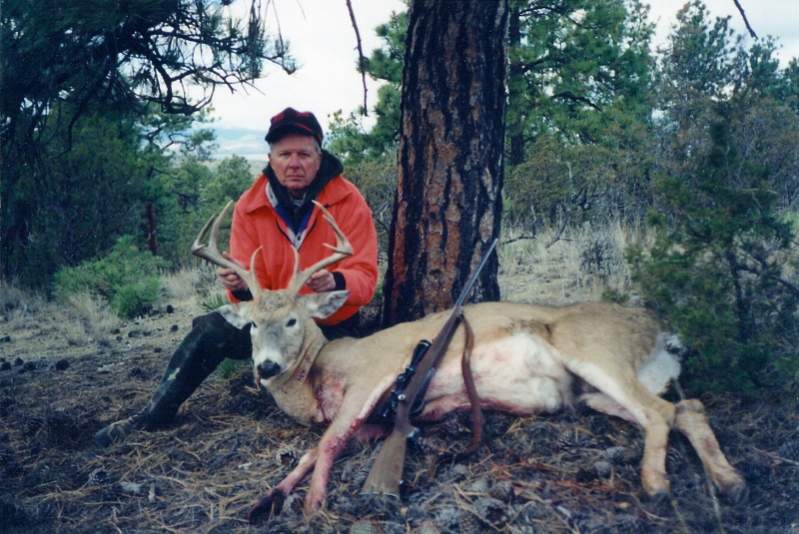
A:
[(571, 472)]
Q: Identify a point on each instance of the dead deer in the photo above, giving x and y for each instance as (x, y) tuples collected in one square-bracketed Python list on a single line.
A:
[(526, 359)]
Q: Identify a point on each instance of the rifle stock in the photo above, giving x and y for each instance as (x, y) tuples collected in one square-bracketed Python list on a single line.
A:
[(386, 474)]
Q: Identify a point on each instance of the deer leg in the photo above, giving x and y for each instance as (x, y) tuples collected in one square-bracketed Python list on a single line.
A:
[(658, 418), (272, 502), (350, 421), (627, 398), (690, 419), (331, 445)]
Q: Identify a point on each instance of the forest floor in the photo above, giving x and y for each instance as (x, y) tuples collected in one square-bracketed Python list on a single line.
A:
[(576, 471)]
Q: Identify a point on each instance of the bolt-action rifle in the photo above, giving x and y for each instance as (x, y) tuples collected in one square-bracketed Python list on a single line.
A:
[(386, 473)]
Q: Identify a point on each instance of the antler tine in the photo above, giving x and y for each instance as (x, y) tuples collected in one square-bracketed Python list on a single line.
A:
[(209, 251), (341, 249)]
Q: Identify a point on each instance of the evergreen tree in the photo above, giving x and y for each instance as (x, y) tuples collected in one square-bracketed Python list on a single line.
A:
[(65, 64)]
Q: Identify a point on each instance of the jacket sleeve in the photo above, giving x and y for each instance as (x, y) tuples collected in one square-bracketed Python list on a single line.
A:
[(360, 269), (242, 242)]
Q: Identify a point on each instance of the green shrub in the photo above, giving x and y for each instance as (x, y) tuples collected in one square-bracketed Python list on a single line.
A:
[(127, 278), (230, 367), (718, 271)]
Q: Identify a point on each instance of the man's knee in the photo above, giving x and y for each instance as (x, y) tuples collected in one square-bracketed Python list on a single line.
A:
[(210, 321), (214, 329)]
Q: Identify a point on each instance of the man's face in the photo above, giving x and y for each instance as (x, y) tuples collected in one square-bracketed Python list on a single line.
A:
[(295, 160)]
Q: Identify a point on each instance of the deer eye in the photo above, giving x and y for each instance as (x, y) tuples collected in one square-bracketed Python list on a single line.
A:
[(291, 322)]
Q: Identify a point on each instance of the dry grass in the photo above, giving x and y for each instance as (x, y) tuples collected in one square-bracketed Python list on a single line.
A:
[(28, 316), (576, 265), (95, 316), (190, 287), (16, 303)]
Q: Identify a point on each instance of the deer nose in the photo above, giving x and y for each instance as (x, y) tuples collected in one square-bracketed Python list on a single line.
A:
[(268, 369)]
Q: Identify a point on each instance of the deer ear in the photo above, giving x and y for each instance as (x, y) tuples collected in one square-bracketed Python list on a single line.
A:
[(236, 314), (323, 305)]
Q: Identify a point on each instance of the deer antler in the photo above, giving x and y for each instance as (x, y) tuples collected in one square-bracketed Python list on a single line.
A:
[(210, 252), (342, 249)]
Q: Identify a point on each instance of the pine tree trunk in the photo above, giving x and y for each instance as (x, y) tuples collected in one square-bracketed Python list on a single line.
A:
[(448, 204)]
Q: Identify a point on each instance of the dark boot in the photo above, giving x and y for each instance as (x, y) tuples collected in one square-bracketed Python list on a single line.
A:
[(211, 340)]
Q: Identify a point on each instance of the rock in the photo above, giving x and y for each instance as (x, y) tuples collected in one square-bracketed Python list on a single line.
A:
[(131, 487), (157, 350), (614, 455), (173, 328), (5, 339), (502, 490), (170, 308), (460, 471), (5, 366), (61, 365), (18, 362), (603, 468), (134, 333), (115, 331), (478, 486)]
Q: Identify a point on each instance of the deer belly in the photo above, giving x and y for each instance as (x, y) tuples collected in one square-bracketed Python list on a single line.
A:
[(519, 374)]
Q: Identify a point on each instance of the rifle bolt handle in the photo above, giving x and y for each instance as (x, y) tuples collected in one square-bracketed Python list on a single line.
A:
[(401, 397)]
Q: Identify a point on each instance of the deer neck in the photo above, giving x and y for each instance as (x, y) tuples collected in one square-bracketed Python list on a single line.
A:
[(293, 391)]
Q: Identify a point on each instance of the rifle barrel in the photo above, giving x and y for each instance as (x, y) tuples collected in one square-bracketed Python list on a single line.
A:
[(467, 288)]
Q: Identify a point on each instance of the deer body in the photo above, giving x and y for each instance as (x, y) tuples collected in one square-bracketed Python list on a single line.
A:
[(526, 359)]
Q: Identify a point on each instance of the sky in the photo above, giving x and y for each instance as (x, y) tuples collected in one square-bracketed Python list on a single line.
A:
[(322, 41)]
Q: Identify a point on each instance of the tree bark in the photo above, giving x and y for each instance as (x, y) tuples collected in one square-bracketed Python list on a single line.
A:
[(448, 203)]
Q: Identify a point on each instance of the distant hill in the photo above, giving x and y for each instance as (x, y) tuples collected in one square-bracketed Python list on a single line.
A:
[(245, 142)]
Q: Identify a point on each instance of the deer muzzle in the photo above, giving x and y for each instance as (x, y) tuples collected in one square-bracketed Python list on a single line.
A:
[(268, 369)]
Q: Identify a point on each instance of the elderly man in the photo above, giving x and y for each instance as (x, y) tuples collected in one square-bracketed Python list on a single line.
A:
[(276, 214)]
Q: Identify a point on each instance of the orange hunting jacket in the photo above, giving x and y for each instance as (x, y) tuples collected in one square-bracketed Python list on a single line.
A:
[(256, 223)]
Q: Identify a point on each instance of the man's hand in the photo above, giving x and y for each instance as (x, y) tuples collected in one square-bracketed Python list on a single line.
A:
[(229, 278), (321, 281)]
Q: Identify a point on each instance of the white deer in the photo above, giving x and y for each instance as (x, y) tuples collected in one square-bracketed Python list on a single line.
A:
[(526, 359)]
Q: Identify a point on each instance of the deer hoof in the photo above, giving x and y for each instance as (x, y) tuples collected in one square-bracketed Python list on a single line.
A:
[(736, 493), (269, 505), (312, 504), (659, 497)]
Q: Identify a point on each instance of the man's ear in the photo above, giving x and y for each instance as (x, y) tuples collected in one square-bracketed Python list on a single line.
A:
[(323, 305), (236, 314)]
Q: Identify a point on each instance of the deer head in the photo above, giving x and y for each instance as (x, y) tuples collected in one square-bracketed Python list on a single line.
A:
[(285, 337)]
